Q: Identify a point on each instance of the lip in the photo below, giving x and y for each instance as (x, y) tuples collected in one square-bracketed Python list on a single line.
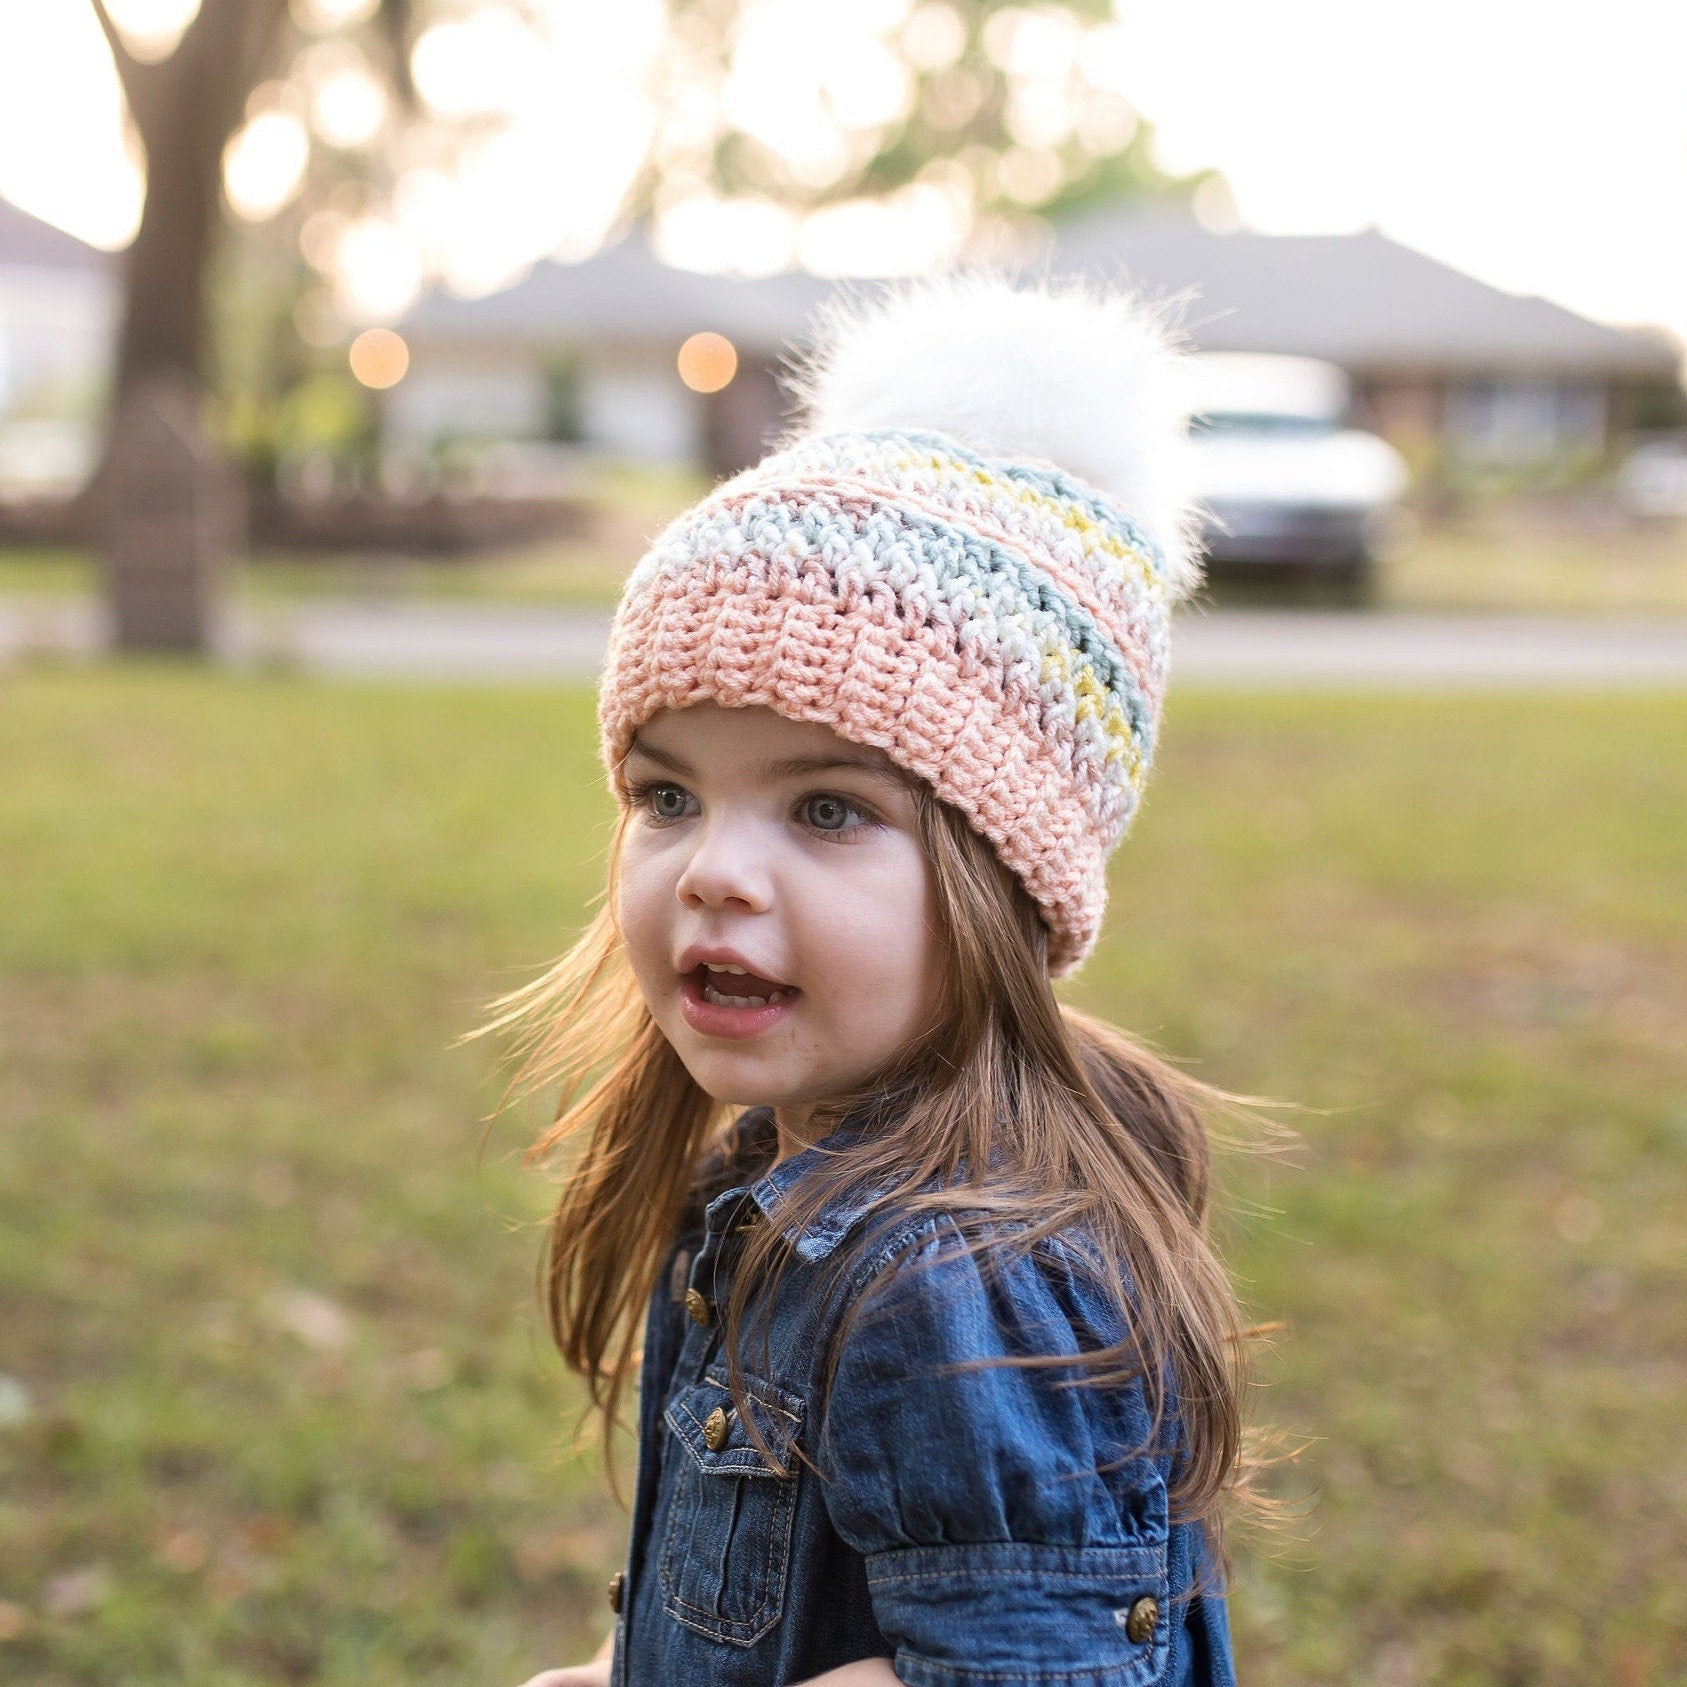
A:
[(699, 955), (710, 1019)]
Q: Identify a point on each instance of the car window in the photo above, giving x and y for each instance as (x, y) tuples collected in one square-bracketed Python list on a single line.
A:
[(1259, 422)]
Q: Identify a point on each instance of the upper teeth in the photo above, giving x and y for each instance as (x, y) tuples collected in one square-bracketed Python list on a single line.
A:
[(719, 997)]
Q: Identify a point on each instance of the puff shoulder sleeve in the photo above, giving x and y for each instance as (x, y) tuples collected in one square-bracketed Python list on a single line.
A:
[(997, 1553)]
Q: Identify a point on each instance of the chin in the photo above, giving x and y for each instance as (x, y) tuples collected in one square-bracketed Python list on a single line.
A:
[(734, 1080), (743, 1087)]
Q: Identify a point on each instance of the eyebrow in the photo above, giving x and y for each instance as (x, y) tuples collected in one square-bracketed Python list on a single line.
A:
[(788, 767)]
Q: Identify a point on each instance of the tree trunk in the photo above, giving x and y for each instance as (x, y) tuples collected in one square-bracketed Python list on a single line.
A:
[(166, 504)]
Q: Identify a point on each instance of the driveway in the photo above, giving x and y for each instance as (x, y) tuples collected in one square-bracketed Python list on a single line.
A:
[(456, 641)]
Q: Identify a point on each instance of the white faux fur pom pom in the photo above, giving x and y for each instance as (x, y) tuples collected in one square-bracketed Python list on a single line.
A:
[(1091, 382)]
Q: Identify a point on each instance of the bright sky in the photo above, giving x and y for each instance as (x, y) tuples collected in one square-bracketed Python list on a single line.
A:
[(1543, 150)]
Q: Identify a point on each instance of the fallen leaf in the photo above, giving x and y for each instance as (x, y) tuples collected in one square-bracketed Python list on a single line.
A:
[(77, 1592), (316, 1320)]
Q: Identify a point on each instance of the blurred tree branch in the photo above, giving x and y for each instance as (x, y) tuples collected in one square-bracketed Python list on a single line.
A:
[(137, 79), (1008, 112)]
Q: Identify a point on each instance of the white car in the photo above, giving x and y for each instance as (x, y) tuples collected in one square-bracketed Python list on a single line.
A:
[(1288, 483), (1652, 483)]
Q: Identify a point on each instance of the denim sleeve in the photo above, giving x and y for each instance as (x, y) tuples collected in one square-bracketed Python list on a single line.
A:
[(996, 1553)]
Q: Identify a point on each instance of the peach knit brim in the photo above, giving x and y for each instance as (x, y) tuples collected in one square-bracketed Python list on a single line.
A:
[(937, 706)]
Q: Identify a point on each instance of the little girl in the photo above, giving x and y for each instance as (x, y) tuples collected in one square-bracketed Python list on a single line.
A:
[(938, 1382)]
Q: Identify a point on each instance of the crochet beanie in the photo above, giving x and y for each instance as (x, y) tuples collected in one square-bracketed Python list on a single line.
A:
[(966, 556)]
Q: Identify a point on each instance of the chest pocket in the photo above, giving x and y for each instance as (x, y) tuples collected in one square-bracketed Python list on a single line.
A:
[(726, 1548)]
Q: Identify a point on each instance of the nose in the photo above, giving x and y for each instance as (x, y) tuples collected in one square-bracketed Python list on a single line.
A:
[(725, 870)]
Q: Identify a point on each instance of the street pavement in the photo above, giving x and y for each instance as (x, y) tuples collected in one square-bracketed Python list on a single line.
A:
[(1245, 647)]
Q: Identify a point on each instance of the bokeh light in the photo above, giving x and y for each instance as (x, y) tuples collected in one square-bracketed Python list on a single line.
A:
[(265, 163), (349, 106), (379, 358), (707, 362), (325, 15), (151, 28), (934, 36), (379, 270), (746, 235)]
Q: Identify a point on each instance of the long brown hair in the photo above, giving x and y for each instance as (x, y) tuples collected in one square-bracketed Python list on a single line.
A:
[(1051, 1118)]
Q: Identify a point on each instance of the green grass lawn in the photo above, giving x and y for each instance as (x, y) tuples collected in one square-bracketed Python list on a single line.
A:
[(278, 1406), (1504, 564)]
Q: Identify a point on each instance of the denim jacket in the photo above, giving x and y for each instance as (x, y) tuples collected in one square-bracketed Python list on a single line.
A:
[(962, 1531)]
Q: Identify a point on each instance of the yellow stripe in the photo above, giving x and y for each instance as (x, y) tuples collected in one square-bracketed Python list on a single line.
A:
[(1094, 703), (1096, 535)]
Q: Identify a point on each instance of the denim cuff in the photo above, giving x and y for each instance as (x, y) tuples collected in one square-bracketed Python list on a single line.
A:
[(1013, 1614)]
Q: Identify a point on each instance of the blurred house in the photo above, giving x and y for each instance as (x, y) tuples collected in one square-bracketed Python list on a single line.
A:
[(589, 353), (59, 302), (1446, 366), (1450, 369)]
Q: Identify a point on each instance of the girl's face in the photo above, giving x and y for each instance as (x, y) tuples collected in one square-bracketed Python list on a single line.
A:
[(774, 846)]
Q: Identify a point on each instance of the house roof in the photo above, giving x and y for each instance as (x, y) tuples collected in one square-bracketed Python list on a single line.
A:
[(1361, 300), (28, 242), (626, 294)]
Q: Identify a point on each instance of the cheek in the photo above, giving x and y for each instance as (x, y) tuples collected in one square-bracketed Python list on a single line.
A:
[(642, 904), (885, 946), (920, 950)]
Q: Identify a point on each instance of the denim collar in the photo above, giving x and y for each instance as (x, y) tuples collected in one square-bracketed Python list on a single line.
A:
[(752, 1135)]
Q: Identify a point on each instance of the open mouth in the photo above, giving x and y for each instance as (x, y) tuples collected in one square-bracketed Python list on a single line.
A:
[(736, 987)]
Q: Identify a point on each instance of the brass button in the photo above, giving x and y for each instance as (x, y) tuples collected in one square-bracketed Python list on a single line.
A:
[(616, 1583), (697, 1309), (715, 1430), (1139, 1623)]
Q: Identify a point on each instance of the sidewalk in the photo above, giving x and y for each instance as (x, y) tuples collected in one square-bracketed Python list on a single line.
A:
[(466, 641)]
